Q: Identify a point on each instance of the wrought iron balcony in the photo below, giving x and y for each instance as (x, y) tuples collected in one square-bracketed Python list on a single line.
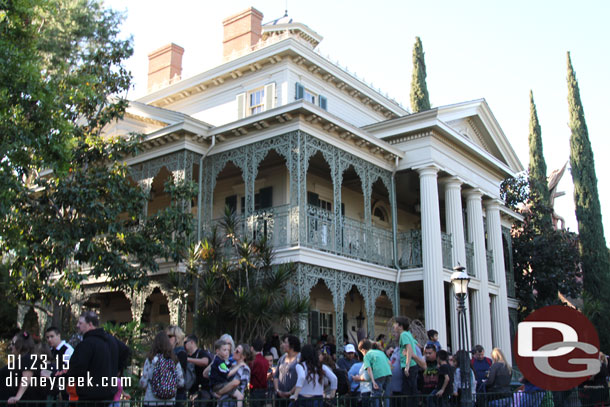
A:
[(470, 259), (490, 265), (410, 250)]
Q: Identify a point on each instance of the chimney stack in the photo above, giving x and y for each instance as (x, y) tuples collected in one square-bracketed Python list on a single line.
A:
[(241, 30), (164, 66)]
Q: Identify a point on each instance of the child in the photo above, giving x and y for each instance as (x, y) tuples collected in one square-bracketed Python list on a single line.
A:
[(444, 387), (433, 339), (221, 372)]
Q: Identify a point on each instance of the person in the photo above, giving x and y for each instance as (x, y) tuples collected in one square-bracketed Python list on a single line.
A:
[(27, 366), (258, 379), (389, 351), (360, 377), (161, 351), (409, 361), (381, 340), (444, 387), (176, 338), (61, 351), (285, 377), (222, 372), (229, 340), (348, 359), (397, 375), (200, 358), (498, 381), (433, 339), (309, 388), (594, 391), (270, 375), (243, 356), (457, 377), (100, 356), (342, 379), (272, 345), (429, 375), (480, 364), (379, 369), (330, 346)]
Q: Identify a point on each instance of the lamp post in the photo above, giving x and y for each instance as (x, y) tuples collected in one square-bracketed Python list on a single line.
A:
[(460, 281)]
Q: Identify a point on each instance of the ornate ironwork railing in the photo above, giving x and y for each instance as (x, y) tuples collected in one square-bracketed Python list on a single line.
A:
[(470, 259), (447, 254), (410, 250), (490, 265)]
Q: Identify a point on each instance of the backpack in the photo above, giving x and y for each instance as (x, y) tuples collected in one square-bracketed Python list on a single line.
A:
[(164, 381), (189, 376)]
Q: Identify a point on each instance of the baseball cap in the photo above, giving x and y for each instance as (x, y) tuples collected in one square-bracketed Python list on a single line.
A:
[(350, 348)]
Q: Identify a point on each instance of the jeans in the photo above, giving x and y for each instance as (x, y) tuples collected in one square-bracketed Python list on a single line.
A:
[(316, 401), (383, 383), (409, 386)]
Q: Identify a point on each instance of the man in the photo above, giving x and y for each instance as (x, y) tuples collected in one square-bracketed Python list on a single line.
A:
[(200, 359), (285, 378), (60, 350), (96, 360), (430, 375), (349, 358), (409, 360), (258, 376), (480, 365)]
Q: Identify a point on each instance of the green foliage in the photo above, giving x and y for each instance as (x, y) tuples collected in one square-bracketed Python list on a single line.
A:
[(593, 249), (240, 291), (546, 261), (420, 100), (67, 204), (539, 189)]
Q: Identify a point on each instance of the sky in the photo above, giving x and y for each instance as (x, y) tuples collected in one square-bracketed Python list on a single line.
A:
[(473, 49)]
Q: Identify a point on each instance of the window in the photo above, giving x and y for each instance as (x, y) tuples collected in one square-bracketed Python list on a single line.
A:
[(326, 323), (256, 101), (302, 93), (309, 96), (262, 199)]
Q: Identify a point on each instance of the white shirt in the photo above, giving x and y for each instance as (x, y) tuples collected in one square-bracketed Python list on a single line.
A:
[(69, 351), (314, 388)]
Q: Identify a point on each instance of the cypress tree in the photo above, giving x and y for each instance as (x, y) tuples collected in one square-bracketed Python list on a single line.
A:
[(539, 189), (420, 100), (592, 244)]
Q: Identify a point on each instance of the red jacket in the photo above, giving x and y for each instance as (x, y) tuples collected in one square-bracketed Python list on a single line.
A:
[(258, 372)]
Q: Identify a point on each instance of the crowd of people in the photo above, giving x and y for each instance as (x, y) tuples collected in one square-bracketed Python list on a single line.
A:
[(281, 371)]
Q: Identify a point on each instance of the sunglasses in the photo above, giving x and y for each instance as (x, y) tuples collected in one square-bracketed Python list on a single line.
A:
[(171, 336)]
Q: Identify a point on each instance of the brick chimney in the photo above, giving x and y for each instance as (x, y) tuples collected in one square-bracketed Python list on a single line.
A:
[(164, 66), (241, 30)]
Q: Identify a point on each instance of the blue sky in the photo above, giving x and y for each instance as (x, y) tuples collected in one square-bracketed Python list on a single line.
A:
[(473, 49)]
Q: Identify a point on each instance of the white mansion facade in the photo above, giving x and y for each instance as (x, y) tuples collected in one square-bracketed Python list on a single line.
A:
[(375, 205)]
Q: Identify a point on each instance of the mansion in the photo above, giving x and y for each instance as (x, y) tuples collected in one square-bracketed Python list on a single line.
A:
[(374, 205)]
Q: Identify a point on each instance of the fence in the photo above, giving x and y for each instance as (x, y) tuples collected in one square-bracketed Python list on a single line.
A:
[(575, 398)]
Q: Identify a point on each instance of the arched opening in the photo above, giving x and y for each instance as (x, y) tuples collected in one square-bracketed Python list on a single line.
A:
[(354, 316), (320, 225), (113, 307), (159, 199), (383, 315), (408, 219), (271, 197), (381, 240), (322, 313), (352, 209), (229, 192), (156, 310)]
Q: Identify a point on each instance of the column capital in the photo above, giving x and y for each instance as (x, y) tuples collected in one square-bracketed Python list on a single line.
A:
[(428, 170), (493, 203), (451, 182), (473, 194)]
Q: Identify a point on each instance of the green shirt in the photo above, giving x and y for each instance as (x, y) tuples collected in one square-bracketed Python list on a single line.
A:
[(406, 339), (378, 362)]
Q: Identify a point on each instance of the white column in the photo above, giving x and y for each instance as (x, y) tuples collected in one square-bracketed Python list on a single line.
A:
[(455, 227), (432, 252), (476, 234), (500, 318)]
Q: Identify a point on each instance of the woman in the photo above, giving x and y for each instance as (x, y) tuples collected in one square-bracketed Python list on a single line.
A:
[(27, 366), (161, 351), (309, 390), (176, 339), (498, 380), (342, 380), (243, 354)]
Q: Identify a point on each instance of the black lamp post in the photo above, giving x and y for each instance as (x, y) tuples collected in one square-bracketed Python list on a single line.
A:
[(460, 281)]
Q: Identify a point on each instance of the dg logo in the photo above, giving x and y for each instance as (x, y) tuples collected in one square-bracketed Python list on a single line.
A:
[(557, 348)]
